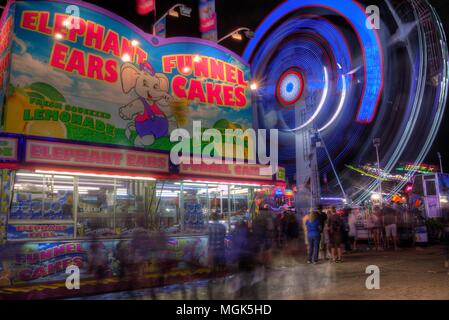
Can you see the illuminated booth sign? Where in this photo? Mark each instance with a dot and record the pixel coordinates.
(39, 231)
(246, 171)
(100, 79)
(55, 153)
(420, 168)
(8, 149)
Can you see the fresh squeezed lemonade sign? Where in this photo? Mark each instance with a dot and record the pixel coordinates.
(106, 81)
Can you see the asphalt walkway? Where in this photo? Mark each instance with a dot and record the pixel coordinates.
(408, 274)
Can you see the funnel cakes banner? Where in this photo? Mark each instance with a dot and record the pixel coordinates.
(97, 78)
(6, 27)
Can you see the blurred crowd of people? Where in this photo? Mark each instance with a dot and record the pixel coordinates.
(133, 256)
(329, 233)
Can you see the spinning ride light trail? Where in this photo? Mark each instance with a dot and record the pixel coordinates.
(343, 66)
(320, 105)
(340, 105)
(368, 39)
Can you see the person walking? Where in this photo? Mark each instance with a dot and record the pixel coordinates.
(139, 255)
(292, 232)
(390, 220)
(323, 218)
(377, 227)
(352, 222)
(313, 226)
(240, 237)
(157, 245)
(263, 232)
(327, 237)
(345, 229)
(97, 259)
(305, 218)
(256, 207)
(242, 257)
(122, 255)
(446, 243)
(216, 250)
(335, 225)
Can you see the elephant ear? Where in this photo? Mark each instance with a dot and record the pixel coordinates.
(129, 74)
(163, 81)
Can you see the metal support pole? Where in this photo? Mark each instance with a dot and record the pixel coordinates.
(334, 170)
(114, 205)
(303, 171)
(441, 162)
(75, 199)
(178, 5)
(181, 205)
(315, 177)
(221, 202)
(380, 178)
(229, 207)
(376, 144)
(208, 202)
(232, 33)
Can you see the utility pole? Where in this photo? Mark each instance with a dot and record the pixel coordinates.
(376, 143)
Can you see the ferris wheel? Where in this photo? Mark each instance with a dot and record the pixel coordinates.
(345, 73)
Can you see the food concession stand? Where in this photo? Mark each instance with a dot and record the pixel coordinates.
(85, 142)
(58, 197)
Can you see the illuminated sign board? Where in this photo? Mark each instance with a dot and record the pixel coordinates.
(107, 81)
(239, 171)
(56, 153)
(39, 231)
(280, 174)
(8, 149)
(420, 168)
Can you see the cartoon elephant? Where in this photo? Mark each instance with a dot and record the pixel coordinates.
(150, 112)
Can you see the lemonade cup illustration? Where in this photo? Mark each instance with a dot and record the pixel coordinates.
(180, 110)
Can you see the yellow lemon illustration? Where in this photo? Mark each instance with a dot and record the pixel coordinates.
(14, 109)
(54, 129)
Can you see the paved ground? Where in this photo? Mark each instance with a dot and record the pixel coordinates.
(412, 273)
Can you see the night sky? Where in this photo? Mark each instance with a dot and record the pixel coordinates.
(248, 13)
